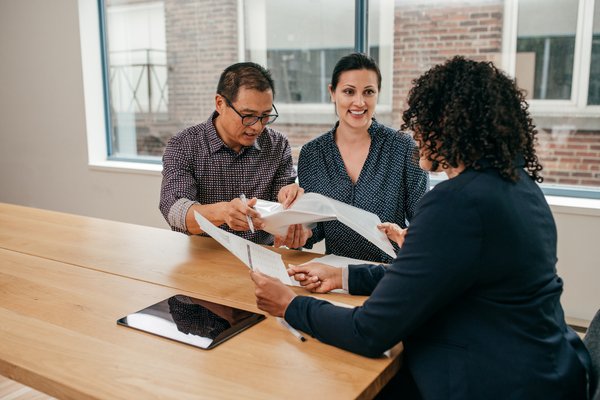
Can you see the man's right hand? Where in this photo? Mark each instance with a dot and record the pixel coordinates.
(235, 212)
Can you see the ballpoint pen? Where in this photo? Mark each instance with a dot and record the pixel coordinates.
(291, 329)
(249, 258)
(243, 198)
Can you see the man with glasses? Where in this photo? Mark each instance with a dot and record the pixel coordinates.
(211, 167)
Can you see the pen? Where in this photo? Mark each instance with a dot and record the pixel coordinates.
(243, 198)
(291, 329)
(250, 257)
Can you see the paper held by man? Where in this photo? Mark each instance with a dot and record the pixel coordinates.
(313, 207)
(254, 256)
(310, 208)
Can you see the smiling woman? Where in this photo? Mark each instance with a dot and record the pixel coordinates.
(360, 161)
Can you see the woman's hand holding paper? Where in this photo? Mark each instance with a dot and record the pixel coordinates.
(272, 296)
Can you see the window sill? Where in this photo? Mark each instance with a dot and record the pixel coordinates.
(127, 167)
(562, 204)
(574, 205)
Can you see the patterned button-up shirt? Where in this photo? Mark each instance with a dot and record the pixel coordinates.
(390, 184)
(198, 167)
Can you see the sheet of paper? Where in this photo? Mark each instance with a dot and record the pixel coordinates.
(251, 254)
(306, 210)
(339, 261)
(314, 207)
(365, 223)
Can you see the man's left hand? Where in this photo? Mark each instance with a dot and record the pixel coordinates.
(296, 237)
(289, 194)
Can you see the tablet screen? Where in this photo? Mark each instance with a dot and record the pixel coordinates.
(196, 322)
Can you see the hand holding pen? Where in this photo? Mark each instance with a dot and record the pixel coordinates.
(250, 213)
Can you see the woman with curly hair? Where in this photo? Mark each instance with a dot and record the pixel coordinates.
(473, 294)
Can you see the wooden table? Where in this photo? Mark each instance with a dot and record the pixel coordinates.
(66, 279)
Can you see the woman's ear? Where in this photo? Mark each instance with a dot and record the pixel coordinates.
(331, 93)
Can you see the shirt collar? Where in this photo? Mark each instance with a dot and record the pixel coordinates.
(215, 143)
(373, 129)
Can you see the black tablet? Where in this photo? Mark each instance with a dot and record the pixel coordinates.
(196, 322)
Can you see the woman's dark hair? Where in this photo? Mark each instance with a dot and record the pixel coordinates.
(245, 74)
(353, 62)
(470, 112)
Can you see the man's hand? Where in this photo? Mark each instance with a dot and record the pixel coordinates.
(317, 277)
(272, 296)
(288, 194)
(235, 211)
(296, 237)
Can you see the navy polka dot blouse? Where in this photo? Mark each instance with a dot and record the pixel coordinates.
(390, 185)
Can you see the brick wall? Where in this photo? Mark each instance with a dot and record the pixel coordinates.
(298, 134)
(426, 35)
(570, 157)
(202, 40)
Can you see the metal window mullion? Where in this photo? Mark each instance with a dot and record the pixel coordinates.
(583, 53)
(361, 26)
(105, 78)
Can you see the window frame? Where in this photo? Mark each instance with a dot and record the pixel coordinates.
(576, 106)
(321, 113)
(91, 15)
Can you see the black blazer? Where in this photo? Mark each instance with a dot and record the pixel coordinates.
(473, 295)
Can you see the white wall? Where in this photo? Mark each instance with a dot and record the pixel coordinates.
(43, 148)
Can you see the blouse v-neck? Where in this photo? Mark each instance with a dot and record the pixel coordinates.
(340, 159)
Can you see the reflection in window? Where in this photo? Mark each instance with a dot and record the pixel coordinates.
(299, 42)
(137, 72)
(546, 47)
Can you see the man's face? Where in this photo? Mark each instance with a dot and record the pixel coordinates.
(229, 123)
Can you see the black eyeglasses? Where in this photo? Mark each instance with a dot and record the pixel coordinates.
(249, 120)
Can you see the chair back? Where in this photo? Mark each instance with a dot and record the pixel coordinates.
(592, 342)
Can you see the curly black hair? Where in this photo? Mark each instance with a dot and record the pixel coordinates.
(470, 112)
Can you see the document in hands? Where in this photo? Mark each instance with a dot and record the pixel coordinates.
(314, 207)
(251, 254)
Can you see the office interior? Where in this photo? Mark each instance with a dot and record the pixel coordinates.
(45, 160)
(51, 108)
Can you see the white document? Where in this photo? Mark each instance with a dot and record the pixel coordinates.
(339, 261)
(314, 207)
(251, 254)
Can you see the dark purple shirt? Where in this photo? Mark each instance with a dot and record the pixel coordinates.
(198, 167)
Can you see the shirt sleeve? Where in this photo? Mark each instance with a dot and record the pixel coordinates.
(436, 265)
(178, 188)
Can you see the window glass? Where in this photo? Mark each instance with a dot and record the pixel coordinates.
(137, 71)
(165, 57)
(546, 47)
(594, 85)
(301, 43)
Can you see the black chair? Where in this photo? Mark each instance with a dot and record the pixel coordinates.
(592, 342)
